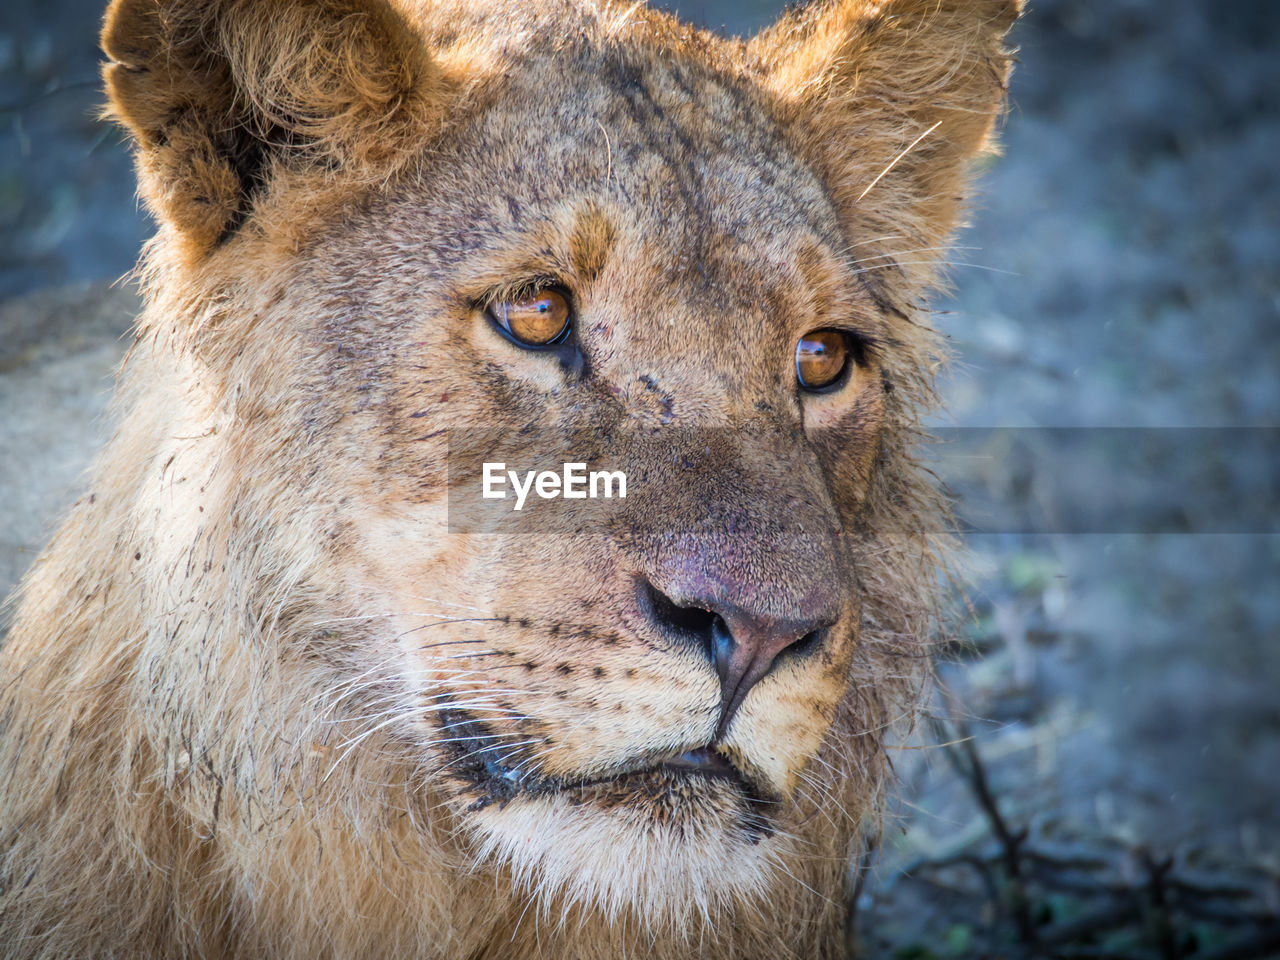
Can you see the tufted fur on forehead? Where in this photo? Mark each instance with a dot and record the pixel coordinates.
(250, 687)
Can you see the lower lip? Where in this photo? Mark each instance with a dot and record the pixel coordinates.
(703, 764)
(704, 761)
(504, 784)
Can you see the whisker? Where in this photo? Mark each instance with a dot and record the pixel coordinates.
(442, 623)
(486, 749)
(893, 255)
(940, 263)
(447, 603)
(894, 162)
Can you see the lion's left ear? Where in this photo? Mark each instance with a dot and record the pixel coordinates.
(892, 98)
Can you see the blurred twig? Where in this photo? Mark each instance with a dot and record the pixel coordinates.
(1158, 915)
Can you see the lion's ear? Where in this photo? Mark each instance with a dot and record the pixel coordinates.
(219, 93)
(893, 98)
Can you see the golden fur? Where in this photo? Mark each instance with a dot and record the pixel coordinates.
(231, 679)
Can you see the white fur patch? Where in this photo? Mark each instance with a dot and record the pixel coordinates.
(619, 861)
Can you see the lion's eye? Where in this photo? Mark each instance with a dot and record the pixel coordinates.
(538, 320)
(822, 358)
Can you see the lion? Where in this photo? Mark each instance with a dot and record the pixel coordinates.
(265, 695)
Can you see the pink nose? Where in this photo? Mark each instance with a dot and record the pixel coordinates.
(743, 643)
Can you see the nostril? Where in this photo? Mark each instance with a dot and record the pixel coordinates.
(800, 649)
(684, 620)
(742, 645)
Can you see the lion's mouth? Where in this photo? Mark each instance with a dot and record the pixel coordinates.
(703, 763)
(706, 762)
(497, 772)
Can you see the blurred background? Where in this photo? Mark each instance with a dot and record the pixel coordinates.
(1099, 773)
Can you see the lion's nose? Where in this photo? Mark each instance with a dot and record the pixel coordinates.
(744, 644)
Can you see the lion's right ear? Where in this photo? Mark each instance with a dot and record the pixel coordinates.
(892, 99)
(222, 95)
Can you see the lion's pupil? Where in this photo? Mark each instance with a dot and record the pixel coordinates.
(538, 319)
(820, 358)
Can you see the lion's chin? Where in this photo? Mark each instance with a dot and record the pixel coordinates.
(661, 846)
(663, 839)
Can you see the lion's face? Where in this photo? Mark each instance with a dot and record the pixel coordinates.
(586, 692)
(651, 705)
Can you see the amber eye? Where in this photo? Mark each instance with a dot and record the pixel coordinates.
(537, 320)
(821, 358)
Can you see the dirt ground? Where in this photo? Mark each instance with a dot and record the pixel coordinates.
(1120, 685)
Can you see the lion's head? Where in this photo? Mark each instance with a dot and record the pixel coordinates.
(387, 235)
